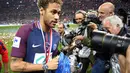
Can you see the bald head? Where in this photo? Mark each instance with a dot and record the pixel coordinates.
(105, 10)
(108, 6)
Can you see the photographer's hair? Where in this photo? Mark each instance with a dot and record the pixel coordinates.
(82, 12)
(114, 21)
(44, 3)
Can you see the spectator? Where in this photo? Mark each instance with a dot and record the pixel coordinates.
(5, 60)
(63, 32)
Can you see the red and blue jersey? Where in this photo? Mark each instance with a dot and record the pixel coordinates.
(29, 44)
(4, 53)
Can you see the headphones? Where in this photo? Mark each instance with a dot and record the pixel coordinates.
(82, 12)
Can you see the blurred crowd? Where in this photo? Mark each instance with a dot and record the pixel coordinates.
(24, 11)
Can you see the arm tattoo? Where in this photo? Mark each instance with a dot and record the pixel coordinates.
(14, 59)
(24, 67)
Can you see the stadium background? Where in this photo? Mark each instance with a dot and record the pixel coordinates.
(23, 11)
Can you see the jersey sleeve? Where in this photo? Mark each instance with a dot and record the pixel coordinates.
(20, 41)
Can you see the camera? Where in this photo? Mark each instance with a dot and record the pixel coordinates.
(81, 29)
(105, 42)
(93, 18)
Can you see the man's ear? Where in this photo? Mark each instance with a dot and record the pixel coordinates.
(41, 10)
(112, 13)
(118, 25)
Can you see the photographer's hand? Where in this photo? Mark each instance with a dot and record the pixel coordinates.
(79, 37)
(92, 25)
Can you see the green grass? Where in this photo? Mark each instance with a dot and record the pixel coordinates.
(8, 29)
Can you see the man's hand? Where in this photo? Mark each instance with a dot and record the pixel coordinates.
(92, 25)
(79, 37)
(53, 64)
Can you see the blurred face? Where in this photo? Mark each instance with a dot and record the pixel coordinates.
(79, 17)
(111, 29)
(60, 28)
(51, 14)
(104, 12)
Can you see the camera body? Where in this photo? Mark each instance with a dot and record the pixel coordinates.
(93, 18)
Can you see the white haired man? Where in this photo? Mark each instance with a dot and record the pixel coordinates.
(114, 25)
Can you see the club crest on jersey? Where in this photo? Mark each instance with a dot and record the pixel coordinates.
(16, 42)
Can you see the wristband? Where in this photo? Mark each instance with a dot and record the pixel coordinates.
(45, 67)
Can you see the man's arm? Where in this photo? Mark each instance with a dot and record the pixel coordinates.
(6, 68)
(5, 61)
(128, 60)
(18, 65)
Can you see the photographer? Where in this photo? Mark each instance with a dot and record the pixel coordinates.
(113, 25)
(62, 32)
(102, 64)
(79, 33)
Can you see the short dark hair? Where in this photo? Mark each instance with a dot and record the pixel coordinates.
(62, 25)
(82, 12)
(44, 3)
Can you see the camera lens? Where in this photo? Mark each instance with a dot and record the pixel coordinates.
(105, 42)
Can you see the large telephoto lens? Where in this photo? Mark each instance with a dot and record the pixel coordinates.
(106, 42)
